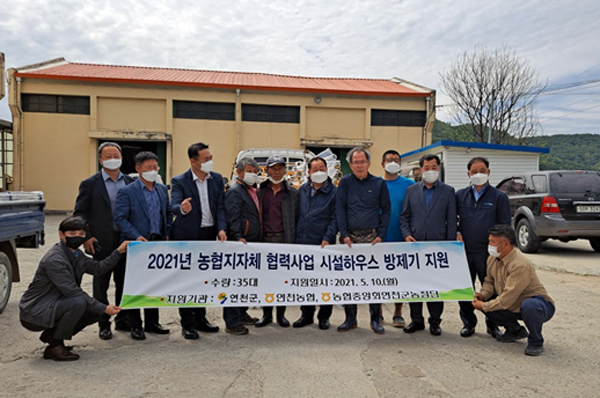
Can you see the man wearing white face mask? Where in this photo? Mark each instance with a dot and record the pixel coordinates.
(428, 214)
(512, 291)
(96, 204)
(244, 225)
(316, 226)
(480, 207)
(198, 204)
(143, 213)
(396, 184)
(279, 204)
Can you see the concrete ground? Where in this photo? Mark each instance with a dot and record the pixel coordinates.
(308, 362)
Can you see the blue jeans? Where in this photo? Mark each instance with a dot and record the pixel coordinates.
(535, 311)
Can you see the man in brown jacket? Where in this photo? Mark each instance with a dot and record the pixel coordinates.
(512, 291)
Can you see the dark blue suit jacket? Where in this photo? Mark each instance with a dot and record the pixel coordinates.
(132, 214)
(436, 223)
(187, 226)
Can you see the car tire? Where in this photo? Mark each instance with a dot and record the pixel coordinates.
(595, 242)
(5, 280)
(527, 240)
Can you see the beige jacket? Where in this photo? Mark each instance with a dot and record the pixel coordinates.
(514, 279)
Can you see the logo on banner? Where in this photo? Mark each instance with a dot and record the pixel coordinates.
(326, 297)
(222, 297)
(269, 297)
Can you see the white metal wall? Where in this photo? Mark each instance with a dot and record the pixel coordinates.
(503, 163)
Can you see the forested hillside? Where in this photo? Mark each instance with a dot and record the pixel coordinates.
(567, 151)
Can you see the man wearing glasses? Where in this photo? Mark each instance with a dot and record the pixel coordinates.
(362, 214)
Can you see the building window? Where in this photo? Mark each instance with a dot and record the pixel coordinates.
(270, 113)
(204, 110)
(55, 104)
(384, 117)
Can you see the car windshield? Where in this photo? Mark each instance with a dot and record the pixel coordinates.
(575, 182)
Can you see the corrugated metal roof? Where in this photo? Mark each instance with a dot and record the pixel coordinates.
(59, 69)
(479, 145)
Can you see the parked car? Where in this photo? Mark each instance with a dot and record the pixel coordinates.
(563, 205)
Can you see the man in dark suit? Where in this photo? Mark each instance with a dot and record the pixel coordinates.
(198, 204)
(143, 213)
(244, 225)
(96, 204)
(428, 214)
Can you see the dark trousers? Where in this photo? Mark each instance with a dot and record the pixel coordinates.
(70, 318)
(478, 269)
(535, 311)
(102, 282)
(308, 311)
(150, 314)
(192, 316)
(268, 311)
(435, 312)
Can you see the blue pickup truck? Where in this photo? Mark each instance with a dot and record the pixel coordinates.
(21, 225)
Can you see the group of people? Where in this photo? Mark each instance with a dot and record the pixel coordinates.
(113, 209)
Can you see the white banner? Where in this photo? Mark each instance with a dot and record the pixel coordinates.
(207, 273)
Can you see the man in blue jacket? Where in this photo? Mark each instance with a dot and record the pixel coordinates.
(428, 213)
(316, 226)
(198, 204)
(480, 207)
(363, 213)
(143, 213)
(396, 184)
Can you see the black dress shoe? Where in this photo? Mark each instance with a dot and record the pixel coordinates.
(156, 328)
(205, 326)
(324, 324)
(264, 321)
(104, 333)
(282, 321)
(413, 327)
(138, 334)
(494, 332)
(303, 321)
(467, 331)
(435, 330)
(190, 334)
(513, 335)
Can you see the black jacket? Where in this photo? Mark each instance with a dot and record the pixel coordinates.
(243, 217)
(59, 276)
(317, 220)
(93, 205)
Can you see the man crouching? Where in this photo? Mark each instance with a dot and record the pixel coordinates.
(512, 291)
(54, 301)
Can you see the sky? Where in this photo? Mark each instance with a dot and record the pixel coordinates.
(414, 40)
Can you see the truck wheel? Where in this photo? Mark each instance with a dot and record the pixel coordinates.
(527, 240)
(595, 242)
(5, 280)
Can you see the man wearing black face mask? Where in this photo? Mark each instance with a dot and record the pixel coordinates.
(54, 301)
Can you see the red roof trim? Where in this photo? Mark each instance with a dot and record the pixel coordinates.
(222, 80)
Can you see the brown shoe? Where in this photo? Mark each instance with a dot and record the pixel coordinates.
(239, 329)
(59, 353)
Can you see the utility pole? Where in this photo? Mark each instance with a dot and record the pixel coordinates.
(491, 116)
